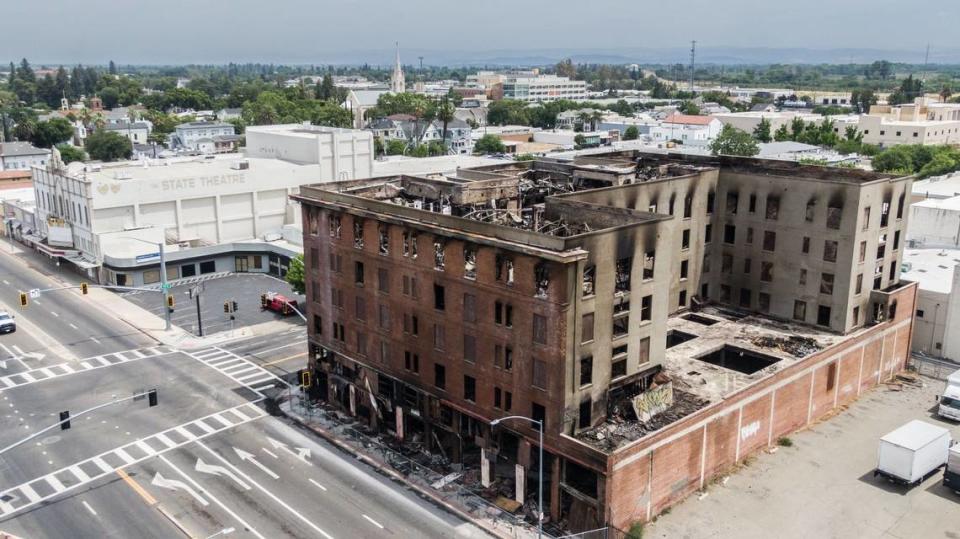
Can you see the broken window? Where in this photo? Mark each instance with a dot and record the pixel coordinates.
(823, 315)
(750, 235)
(646, 308)
(830, 251)
(729, 234)
(508, 358)
(773, 207)
(882, 246)
(805, 249)
(618, 369)
(621, 326)
(673, 198)
(896, 240)
(763, 302)
(384, 241)
(863, 251)
(707, 233)
(469, 388)
(504, 269)
(746, 265)
(766, 271)
(589, 280)
(800, 310)
(649, 258)
(411, 361)
(826, 283)
(538, 413)
(497, 398)
(884, 214)
(834, 213)
(711, 197)
(803, 277)
(584, 420)
(685, 239)
(439, 376)
(469, 262)
(752, 206)
(859, 286)
(682, 298)
(586, 371)
(439, 253)
(726, 263)
(900, 206)
(622, 277)
(358, 273)
(621, 351)
(469, 348)
(769, 240)
(745, 298)
(866, 218)
(687, 206)
(334, 224)
(725, 293)
(358, 233)
(383, 280)
(733, 200)
(811, 207)
(684, 268)
(541, 277)
(439, 297)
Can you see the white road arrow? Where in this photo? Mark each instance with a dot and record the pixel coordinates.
(301, 453)
(203, 467)
(34, 355)
(253, 460)
(173, 484)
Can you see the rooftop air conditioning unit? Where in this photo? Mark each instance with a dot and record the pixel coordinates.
(241, 165)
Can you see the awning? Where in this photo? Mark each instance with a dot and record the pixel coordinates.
(32, 238)
(82, 262)
(53, 251)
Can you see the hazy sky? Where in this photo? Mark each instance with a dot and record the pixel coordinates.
(321, 31)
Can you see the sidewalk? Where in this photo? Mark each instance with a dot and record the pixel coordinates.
(441, 490)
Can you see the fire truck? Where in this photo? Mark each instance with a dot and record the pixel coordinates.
(277, 303)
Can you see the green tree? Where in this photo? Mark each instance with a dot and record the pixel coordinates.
(942, 163)
(897, 158)
(70, 153)
(489, 144)
(108, 146)
(295, 274)
(762, 131)
(733, 141)
(579, 140)
(782, 133)
(332, 115)
(445, 111)
(396, 147)
(509, 112)
(110, 97)
(112, 68)
(566, 68)
(50, 133)
(689, 107)
(631, 133)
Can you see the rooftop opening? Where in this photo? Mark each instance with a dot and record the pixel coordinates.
(699, 319)
(675, 337)
(738, 359)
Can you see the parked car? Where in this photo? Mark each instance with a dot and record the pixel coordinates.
(7, 325)
(950, 400)
(913, 452)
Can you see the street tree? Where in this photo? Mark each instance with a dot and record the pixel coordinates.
(52, 132)
(295, 274)
(762, 131)
(489, 144)
(733, 141)
(70, 153)
(631, 133)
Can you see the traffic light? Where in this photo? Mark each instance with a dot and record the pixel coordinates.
(263, 301)
(65, 420)
(83, 288)
(234, 305)
(226, 307)
(305, 379)
(285, 310)
(23, 299)
(170, 301)
(152, 397)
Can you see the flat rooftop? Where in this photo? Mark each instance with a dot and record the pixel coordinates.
(946, 186)
(712, 354)
(932, 269)
(190, 167)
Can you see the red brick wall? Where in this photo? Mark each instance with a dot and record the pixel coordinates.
(657, 471)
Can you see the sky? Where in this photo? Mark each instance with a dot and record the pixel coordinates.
(352, 31)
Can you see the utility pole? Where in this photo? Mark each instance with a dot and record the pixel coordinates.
(164, 286)
(693, 63)
(195, 294)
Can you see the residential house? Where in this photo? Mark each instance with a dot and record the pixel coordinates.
(22, 156)
(187, 135)
(687, 129)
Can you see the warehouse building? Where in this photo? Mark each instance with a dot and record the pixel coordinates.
(662, 316)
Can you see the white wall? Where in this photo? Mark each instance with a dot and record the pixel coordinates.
(934, 226)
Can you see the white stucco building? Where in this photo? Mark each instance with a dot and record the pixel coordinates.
(921, 122)
(688, 129)
(937, 271)
(189, 135)
(204, 209)
(137, 132)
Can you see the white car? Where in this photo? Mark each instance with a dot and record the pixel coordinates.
(7, 325)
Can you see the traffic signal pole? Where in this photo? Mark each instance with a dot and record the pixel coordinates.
(163, 287)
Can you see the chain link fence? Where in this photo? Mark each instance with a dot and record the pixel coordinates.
(933, 368)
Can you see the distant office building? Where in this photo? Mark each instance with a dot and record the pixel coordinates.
(920, 122)
(535, 88)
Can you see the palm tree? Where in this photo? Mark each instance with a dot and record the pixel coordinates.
(445, 113)
(945, 93)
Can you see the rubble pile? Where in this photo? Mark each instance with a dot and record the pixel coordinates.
(794, 345)
(622, 427)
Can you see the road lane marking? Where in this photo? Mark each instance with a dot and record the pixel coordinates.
(173, 484)
(87, 505)
(288, 358)
(283, 504)
(30, 494)
(151, 501)
(213, 469)
(94, 339)
(252, 459)
(318, 485)
(6, 282)
(71, 325)
(55, 483)
(80, 474)
(267, 451)
(124, 455)
(374, 522)
(55, 315)
(302, 453)
(223, 506)
(102, 464)
(231, 365)
(96, 362)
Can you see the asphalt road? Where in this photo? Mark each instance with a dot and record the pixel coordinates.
(206, 460)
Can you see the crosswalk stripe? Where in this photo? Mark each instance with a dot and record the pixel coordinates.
(146, 447)
(55, 483)
(102, 464)
(29, 493)
(124, 455)
(206, 428)
(184, 432)
(79, 473)
(26, 376)
(162, 438)
(7, 382)
(254, 377)
(222, 419)
(262, 388)
(67, 369)
(240, 369)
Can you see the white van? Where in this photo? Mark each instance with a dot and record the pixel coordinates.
(950, 400)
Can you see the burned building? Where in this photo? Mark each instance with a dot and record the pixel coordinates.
(616, 298)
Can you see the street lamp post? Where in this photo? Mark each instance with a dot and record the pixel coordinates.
(539, 424)
(163, 279)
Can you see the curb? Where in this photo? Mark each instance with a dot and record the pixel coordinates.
(383, 468)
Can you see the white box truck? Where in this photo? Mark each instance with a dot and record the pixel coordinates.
(951, 476)
(912, 452)
(950, 400)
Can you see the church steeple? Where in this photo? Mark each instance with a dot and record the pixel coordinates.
(397, 83)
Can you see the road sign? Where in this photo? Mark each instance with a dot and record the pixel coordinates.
(147, 256)
(34, 293)
(166, 286)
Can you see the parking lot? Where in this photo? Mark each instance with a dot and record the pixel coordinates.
(244, 288)
(823, 485)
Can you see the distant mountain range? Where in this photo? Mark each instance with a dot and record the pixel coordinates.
(705, 55)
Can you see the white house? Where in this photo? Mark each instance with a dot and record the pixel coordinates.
(188, 134)
(22, 156)
(937, 316)
(688, 129)
(137, 132)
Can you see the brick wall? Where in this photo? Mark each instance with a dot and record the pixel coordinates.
(655, 472)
